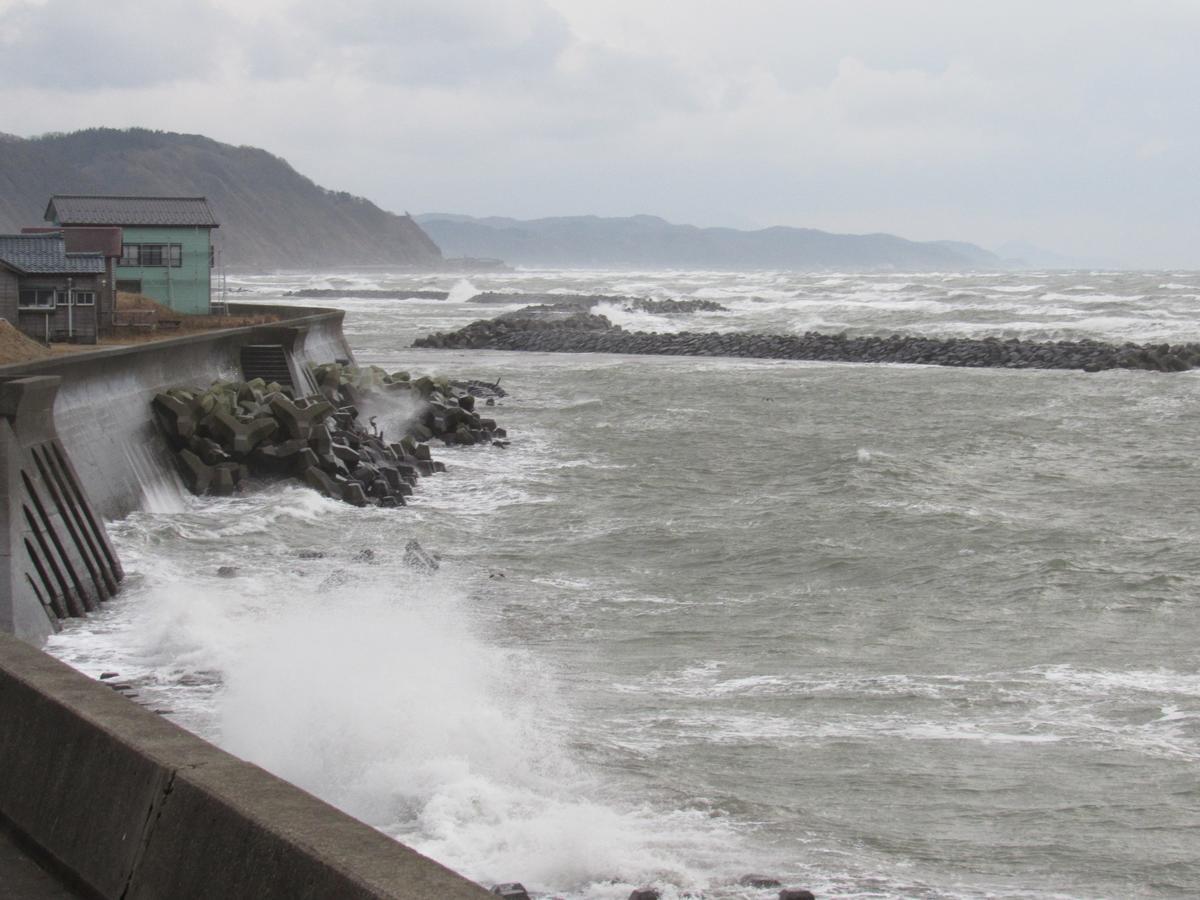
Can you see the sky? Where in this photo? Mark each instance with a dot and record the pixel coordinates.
(1068, 124)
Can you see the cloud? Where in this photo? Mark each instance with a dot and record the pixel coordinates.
(82, 44)
(413, 42)
(932, 118)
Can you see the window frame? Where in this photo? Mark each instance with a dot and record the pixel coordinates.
(133, 256)
(154, 256)
(39, 291)
(76, 295)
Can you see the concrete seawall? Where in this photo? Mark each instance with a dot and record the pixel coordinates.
(78, 446)
(102, 410)
(115, 801)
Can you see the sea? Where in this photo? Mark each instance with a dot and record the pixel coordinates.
(874, 630)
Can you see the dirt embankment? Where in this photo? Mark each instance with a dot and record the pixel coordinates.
(15, 347)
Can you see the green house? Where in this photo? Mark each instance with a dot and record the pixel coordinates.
(167, 249)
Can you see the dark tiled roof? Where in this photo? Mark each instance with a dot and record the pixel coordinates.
(46, 254)
(131, 211)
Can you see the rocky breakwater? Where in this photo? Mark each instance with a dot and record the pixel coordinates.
(568, 328)
(226, 434)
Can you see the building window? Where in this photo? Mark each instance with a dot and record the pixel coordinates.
(132, 286)
(36, 298)
(152, 255)
(84, 298)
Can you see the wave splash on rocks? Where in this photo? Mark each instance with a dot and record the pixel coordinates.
(223, 435)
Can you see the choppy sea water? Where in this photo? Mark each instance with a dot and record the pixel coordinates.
(879, 631)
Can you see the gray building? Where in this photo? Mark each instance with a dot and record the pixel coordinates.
(49, 293)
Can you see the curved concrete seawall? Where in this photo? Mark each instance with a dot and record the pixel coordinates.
(78, 445)
(102, 410)
(115, 801)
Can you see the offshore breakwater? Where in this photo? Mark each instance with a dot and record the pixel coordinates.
(112, 799)
(566, 326)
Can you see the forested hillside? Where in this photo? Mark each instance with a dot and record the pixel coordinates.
(271, 216)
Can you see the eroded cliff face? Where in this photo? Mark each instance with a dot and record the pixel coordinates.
(271, 216)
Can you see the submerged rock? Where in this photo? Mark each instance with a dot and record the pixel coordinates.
(759, 881)
(418, 558)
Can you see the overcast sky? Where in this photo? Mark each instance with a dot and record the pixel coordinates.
(1072, 124)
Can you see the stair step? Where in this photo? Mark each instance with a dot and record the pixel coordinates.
(268, 362)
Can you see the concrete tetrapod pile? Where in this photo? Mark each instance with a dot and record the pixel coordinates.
(232, 431)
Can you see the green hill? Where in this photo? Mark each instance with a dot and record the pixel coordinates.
(271, 216)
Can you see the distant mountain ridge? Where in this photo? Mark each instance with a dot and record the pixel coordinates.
(651, 242)
(271, 216)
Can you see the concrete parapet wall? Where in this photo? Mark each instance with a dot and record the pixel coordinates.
(128, 806)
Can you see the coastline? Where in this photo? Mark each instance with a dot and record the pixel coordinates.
(110, 797)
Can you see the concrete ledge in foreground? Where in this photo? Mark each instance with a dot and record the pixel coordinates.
(125, 805)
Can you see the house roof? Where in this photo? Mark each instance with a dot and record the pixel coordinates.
(104, 239)
(46, 254)
(73, 209)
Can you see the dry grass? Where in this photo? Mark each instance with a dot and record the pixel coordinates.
(15, 347)
(169, 323)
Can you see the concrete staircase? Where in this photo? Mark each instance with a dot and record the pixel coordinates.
(268, 362)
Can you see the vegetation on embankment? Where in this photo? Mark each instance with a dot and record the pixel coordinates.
(17, 347)
(139, 317)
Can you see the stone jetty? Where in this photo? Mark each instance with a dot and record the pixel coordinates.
(227, 433)
(568, 327)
